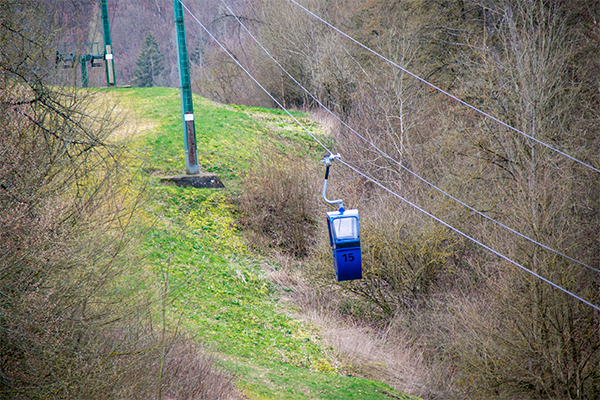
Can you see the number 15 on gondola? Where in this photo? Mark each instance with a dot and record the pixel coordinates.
(344, 237)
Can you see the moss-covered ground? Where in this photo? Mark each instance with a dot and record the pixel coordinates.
(191, 243)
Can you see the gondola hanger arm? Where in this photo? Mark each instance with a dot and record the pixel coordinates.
(327, 161)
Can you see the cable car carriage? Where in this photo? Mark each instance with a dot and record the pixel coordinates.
(344, 236)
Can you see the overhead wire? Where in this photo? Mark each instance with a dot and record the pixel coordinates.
(472, 107)
(489, 249)
(466, 236)
(252, 77)
(390, 158)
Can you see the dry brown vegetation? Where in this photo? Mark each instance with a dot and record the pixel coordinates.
(279, 201)
(71, 324)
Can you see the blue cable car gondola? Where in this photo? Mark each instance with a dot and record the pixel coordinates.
(344, 236)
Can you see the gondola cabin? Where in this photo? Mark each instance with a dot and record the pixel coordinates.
(344, 237)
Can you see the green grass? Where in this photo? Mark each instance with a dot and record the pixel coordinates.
(229, 138)
(217, 289)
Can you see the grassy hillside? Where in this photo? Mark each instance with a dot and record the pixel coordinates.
(215, 287)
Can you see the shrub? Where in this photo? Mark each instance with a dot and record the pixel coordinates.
(402, 257)
(279, 204)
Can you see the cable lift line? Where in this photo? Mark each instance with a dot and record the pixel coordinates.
(251, 77)
(390, 158)
(456, 230)
(466, 236)
(477, 110)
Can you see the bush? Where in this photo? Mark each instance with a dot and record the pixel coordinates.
(403, 256)
(279, 204)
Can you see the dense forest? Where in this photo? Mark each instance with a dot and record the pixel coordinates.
(475, 325)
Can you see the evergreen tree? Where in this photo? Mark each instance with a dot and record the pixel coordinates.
(149, 64)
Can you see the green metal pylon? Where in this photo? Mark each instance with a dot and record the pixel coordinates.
(109, 60)
(84, 71)
(187, 109)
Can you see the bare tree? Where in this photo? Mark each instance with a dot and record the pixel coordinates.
(541, 343)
